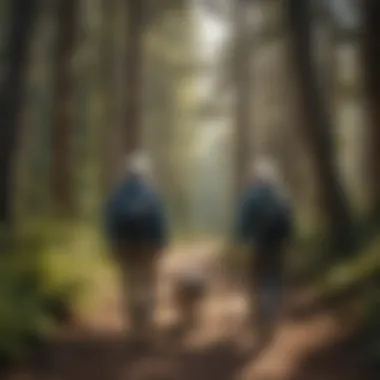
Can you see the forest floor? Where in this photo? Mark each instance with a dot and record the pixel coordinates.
(311, 346)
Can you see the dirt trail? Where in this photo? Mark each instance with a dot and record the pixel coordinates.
(303, 350)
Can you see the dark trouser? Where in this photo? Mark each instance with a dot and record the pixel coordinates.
(138, 266)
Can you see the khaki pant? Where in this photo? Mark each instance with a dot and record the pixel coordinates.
(266, 290)
(139, 282)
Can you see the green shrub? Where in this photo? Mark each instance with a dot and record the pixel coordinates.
(26, 295)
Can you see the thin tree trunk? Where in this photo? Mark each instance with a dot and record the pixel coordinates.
(12, 88)
(243, 101)
(317, 127)
(133, 89)
(109, 85)
(372, 82)
(62, 186)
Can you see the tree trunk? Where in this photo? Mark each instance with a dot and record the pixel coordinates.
(133, 89)
(62, 186)
(372, 83)
(12, 88)
(109, 48)
(317, 127)
(242, 71)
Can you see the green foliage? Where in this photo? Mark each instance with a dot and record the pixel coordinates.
(357, 281)
(312, 258)
(21, 301)
(22, 316)
(40, 285)
(353, 275)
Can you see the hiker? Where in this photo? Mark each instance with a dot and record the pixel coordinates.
(264, 225)
(136, 228)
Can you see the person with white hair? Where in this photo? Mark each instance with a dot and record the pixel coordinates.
(136, 227)
(265, 225)
(138, 164)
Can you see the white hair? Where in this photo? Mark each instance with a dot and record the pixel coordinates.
(138, 163)
(265, 170)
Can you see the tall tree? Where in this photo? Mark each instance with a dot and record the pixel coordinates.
(109, 46)
(63, 117)
(133, 88)
(371, 49)
(242, 69)
(12, 86)
(317, 126)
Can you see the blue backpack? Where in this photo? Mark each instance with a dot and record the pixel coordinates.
(272, 218)
(132, 212)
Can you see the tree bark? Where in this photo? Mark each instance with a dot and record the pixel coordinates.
(12, 88)
(109, 50)
(133, 88)
(317, 127)
(243, 101)
(371, 55)
(62, 186)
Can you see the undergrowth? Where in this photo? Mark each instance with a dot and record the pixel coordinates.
(47, 277)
